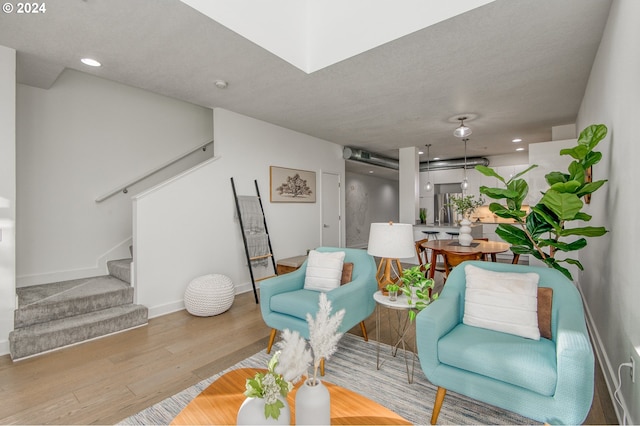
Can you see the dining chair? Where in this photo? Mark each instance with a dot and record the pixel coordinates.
(423, 257)
(453, 259)
(421, 252)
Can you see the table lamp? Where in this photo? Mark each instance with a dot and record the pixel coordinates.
(391, 242)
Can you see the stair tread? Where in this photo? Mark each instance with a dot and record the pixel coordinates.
(71, 322)
(120, 268)
(67, 290)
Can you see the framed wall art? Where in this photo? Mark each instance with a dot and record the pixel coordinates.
(292, 185)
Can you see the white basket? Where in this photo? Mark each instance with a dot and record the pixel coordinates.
(209, 295)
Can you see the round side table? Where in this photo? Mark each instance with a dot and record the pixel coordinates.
(398, 331)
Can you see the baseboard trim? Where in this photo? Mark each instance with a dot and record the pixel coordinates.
(609, 373)
(178, 305)
(165, 309)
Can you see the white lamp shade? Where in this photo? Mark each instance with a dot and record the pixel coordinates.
(391, 240)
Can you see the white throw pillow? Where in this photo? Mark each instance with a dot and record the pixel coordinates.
(502, 301)
(324, 270)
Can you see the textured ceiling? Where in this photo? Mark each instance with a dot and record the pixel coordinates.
(521, 66)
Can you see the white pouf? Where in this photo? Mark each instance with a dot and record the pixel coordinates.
(209, 295)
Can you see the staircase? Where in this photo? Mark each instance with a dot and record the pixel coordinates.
(51, 316)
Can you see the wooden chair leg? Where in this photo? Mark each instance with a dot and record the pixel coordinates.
(322, 367)
(364, 331)
(272, 338)
(438, 404)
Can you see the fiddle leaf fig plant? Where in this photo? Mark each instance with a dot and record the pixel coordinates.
(542, 233)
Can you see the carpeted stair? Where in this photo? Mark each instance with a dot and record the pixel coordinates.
(51, 316)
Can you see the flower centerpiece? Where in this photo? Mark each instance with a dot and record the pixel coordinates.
(464, 205)
(287, 366)
(269, 386)
(312, 399)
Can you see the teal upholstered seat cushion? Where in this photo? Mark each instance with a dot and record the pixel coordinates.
(530, 364)
(295, 303)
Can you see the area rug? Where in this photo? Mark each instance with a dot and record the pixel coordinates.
(353, 366)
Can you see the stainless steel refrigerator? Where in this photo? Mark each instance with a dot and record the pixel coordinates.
(444, 214)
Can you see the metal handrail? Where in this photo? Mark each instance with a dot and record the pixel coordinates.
(123, 188)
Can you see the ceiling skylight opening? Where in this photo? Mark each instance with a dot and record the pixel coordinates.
(91, 62)
(516, 140)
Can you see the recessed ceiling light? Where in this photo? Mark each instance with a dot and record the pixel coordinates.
(519, 149)
(516, 140)
(436, 158)
(90, 62)
(420, 152)
(221, 84)
(370, 171)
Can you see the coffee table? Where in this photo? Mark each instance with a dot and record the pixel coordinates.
(219, 404)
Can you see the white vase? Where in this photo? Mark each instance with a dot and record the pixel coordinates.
(313, 404)
(465, 238)
(251, 412)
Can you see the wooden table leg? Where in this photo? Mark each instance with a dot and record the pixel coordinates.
(432, 268)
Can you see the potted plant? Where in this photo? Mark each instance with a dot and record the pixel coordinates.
(464, 205)
(393, 291)
(543, 232)
(423, 215)
(418, 289)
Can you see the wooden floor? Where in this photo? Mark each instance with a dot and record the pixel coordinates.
(107, 380)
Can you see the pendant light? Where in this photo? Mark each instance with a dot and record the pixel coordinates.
(465, 183)
(462, 131)
(428, 186)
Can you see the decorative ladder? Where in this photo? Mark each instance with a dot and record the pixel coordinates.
(251, 259)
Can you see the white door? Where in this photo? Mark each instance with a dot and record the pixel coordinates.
(331, 210)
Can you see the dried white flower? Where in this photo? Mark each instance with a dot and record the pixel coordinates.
(295, 357)
(323, 332)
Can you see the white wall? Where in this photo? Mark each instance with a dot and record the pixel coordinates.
(79, 139)
(7, 193)
(610, 284)
(369, 199)
(187, 227)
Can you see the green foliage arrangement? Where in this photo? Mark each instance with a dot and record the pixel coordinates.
(543, 231)
(392, 287)
(423, 215)
(416, 283)
(465, 204)
(269, 386)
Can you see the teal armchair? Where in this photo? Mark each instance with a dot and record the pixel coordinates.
(550, 381)
(284, 302)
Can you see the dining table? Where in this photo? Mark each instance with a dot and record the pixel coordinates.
(488, 248)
